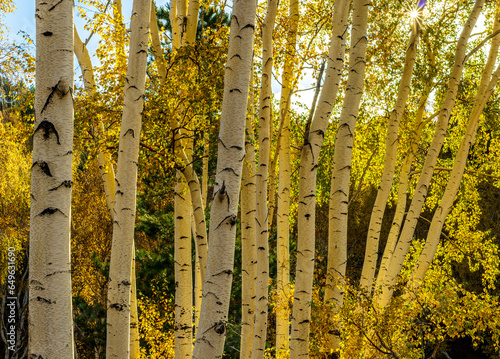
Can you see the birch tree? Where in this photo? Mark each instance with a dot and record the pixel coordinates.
(50, 304)
(422, 186)
(313, 139)
(219, 273)
(120, 276)
(248, 236)
(485, 89)
(283, 213)
(259, 341)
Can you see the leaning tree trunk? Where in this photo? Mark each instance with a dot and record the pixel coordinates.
(396, 262)
(486, 87)
(283, 213)
(120, 271)
(262, 225)
(391, 147)
(50, 304)
(313, 139)
(231, 153)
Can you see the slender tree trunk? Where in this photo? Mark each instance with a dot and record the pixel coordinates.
(404, 179)
(183, 272)
(108, 179)
(486, 87)
(391, 147)
(231, 152)
(259, 341)
(337, 232)
(283, 213)
(118, 320)
(50, 304)
(313, 139)
(248, 237)
(396, 263)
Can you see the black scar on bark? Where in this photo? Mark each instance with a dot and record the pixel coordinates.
(67, 184)
(49, 211)
(47, 33)
(44, 300)
(53, 7)
(43, 166)
(235, 90)
(131, 131)
(220, 327)
(248, 25)
(60, 88)
(236, 19)
(118, 307)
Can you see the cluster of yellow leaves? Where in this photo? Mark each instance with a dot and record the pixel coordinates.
(15, 191)
(156, 323)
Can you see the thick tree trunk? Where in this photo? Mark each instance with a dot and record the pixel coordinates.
(283, 213)
(248, 237)
(259, 341)
(231, 153)
(313, 139)
(396, 263)
(391, 147)
(118, 320)
(50, 304)
(486, 87)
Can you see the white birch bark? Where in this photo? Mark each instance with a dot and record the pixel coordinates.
(313, 139)
(396, 262)
(391, 147)
(260, 330)
(338, 207)
(404, 179)
(118, 318)
(217, 287)
(50, 303)
(183, 272)
(108, 179)
(283, 212)
(248, 237)
(486, 87)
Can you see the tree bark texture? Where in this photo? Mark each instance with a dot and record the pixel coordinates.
(283, 213)
(262, 225)
(248, 237)
(231, 153)
(338, 207)
(50, 303)
(118, 309)
(313, 140)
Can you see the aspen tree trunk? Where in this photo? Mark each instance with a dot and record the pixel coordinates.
(50, 303)
(396, 262)
(231, 153)
(313, 139)
(486, 87)
(248, 237)
(183, 273)
(118, 319)
(391, 147)
(283, 213)
(186, 168)
(404, 179)
(108, 179)
(260, 330)
(337, 231)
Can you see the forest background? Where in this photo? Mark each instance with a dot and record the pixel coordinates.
(452, 312)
